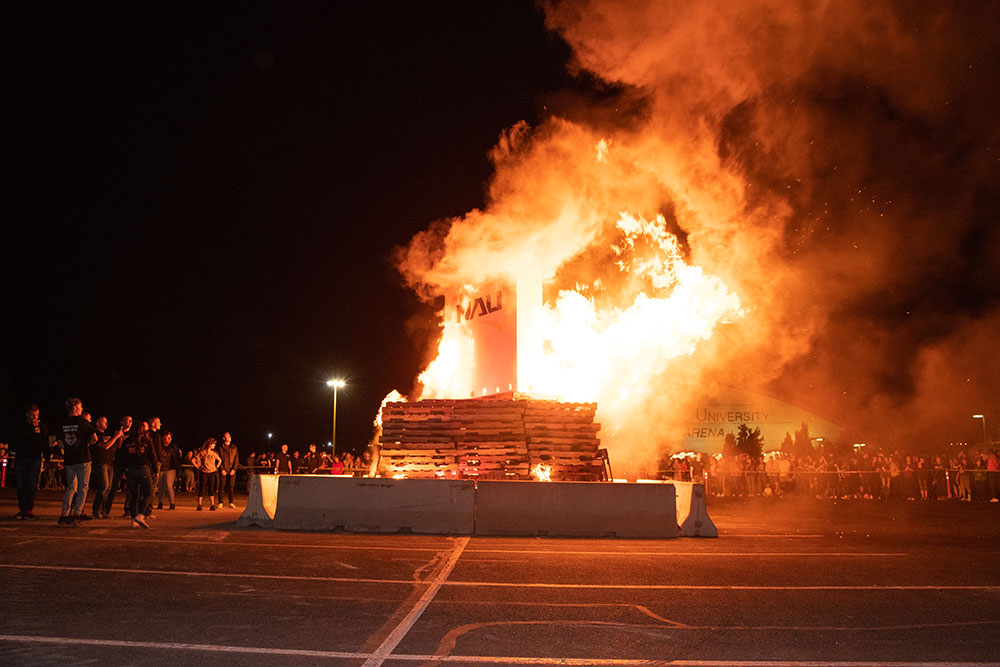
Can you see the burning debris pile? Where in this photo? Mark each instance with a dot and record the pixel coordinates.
(495, 438)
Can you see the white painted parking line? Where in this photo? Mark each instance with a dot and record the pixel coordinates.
(270, 545)
(508, 584)
(481, 659)
(721, 587)
(397, 634)
(187, 573)
(687, 553)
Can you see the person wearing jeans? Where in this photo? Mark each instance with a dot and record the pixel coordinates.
(101, 457)
(170, 463)
(77, 436)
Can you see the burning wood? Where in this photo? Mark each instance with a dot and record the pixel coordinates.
(496, 438)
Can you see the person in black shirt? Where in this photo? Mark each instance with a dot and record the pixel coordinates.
(77, 436)
(284, 462)
(137, 456)
(102, 458)
(117, 469)
(156, 438)
(312, 460)
(227, 469)
(170, 463)
(31, 445)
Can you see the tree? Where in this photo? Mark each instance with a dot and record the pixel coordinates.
(729, 444)
(750, 441)
(803, 444)
(787, 445)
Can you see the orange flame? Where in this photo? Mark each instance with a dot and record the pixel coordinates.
(542, 472)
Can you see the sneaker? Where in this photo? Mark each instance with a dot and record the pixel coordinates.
(83, 517)
(64, 520)
(138, 521)
(20, 516)
(233, 505)
(160, 506)
(212, 508)
(172, 506)
(31, 517)
(199, 508)
(994, 500)
(150, 516)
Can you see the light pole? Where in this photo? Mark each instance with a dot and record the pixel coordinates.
(336, 384)
(983, 417)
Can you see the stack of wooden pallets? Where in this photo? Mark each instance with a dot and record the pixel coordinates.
(498, 437)
(563, 436)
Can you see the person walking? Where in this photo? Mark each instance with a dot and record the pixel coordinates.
(77, 436)
(31, 446)
(170, 463)
(138, 459)
(207, 463)
(230, 462)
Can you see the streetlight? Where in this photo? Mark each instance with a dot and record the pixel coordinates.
(336, 384)
(983, 417)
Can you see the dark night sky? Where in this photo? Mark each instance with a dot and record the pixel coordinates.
(203, 199)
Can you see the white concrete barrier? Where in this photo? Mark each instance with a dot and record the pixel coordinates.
(380, 505)
(692, 515)
(575, 509)
(261, 502)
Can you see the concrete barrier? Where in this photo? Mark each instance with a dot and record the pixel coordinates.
(261, 502)
(381, 505)
(575, 509)
(692, 514)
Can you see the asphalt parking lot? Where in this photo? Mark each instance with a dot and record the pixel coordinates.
(786, 583)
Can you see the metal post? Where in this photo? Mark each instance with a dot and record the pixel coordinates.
(333, 437)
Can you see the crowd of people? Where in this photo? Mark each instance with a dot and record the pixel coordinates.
(960, 475)
(83, 456)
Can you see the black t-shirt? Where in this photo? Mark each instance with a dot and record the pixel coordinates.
(33, 441)
(76, 432)
(137, 451)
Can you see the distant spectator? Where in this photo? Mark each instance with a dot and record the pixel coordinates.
(227, 468)
(207, 462)
(312, 460)
(284, 462)
(31, 446)
(170, 463)
(190, 473)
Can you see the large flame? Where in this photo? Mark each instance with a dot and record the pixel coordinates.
(623, 302)
(605, 341)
